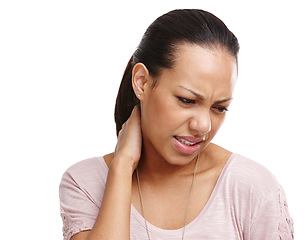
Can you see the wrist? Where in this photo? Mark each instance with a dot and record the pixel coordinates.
(122, 165)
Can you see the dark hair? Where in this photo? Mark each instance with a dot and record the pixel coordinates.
(158, 46)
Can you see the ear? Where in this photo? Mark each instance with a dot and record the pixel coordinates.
(140, 76)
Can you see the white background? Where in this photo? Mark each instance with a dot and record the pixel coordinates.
(61, 63)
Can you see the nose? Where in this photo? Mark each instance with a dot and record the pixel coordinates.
(200, 123)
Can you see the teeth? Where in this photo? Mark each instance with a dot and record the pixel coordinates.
(185, 142)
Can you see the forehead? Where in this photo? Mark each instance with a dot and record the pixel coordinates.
(203, 59)
(202, 68)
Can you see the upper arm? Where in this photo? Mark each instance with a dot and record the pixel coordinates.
(78, 210)
(273, 220)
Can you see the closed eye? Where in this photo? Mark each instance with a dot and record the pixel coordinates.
(220, 109)
(186, 100)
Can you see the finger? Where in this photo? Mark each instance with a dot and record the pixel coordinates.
(136, 110)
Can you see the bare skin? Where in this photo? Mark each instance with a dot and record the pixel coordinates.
(193, 105)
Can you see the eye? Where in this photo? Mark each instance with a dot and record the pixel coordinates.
(220, 109)
(186, 100)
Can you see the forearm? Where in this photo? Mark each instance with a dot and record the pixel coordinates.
(113, 220)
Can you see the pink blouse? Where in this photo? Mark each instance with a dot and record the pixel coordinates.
(247, 203)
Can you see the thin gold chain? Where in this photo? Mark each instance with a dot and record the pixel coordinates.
(188, 208)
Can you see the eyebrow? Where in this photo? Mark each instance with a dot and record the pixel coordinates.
(224, 100)
(201, 97)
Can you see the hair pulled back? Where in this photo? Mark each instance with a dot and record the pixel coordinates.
(157, 49)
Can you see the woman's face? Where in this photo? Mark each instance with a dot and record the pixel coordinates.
(186, 108)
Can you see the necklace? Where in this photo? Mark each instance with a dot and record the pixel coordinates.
(186, 217)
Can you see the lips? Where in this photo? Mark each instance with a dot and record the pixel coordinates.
(189, 140)
(187, 144)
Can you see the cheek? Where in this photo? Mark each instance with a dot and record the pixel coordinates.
(162, 115)
(216, 125)
(159, 116)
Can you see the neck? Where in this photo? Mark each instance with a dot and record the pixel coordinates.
(155, 167)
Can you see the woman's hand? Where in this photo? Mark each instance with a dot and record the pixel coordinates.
(129, 142)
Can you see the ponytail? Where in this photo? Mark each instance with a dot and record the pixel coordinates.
(126, 99)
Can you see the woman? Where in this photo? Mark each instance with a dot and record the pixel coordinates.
(166, 180)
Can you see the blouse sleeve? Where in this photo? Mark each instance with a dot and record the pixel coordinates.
(81, 191)
(273, 220)
(77, 211)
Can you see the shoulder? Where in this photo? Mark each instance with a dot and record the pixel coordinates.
(80, 192)
(88, 168)
(263, 199)
(87, 177)
(246, 173)
(244, 167)
(249, 186)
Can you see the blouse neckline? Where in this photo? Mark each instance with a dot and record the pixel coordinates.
(178, 232)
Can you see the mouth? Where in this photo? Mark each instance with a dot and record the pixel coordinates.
(189, 141)
(187, 145)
